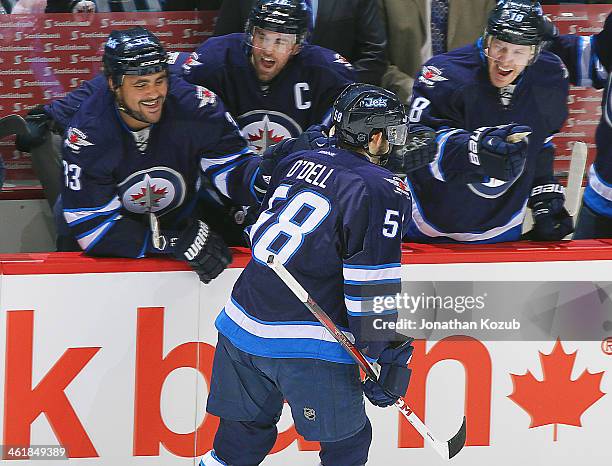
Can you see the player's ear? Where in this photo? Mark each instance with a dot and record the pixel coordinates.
(296, 49)
(376, 138)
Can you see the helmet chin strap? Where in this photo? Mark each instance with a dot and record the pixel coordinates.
(122, 107)
(378, 159)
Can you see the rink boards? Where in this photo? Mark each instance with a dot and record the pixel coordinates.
(111, 358)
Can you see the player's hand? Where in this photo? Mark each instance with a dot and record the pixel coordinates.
(394, 375)
(204, 251)
(420, 150)
(39, 125)
(499, 151)
(552, 222)
(315, 137)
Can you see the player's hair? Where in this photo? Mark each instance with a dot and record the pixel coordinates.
(362, 110)
(135, 51)
(284, 16)
(519, 22)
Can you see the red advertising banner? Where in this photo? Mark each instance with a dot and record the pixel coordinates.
(43, 57)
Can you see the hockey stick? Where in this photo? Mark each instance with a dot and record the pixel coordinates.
(575, 176)
(446, 449)
(12, 124)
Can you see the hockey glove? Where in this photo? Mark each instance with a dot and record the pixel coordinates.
(39, 125)
(394, 375)
(552, 222)
(203, 250)
(313, 138)
(420, 150)
(499, 151)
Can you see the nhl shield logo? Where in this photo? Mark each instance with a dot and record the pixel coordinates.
(310, 414)
(263, 129)
(156, 190)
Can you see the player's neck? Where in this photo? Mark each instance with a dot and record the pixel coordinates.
(132, 123)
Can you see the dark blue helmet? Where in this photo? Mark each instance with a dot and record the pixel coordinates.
(519, 22)
(134, 51)
(362, 109)
(284, 16)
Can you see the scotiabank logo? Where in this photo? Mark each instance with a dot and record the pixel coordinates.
(24, 403)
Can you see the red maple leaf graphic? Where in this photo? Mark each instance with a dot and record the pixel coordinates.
(73, 138)
(259, 137)
(557, 399)
(156, 195)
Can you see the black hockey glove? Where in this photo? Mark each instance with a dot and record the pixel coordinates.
(204, 251)
(552, 222)
(314, 137)
(420, 150)
(499, 151)
(394, 375)
(39, 124)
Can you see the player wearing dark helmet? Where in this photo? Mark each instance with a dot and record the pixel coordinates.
(496, 106)
(135, 154)
(335, 204)
(274, 84)
(135, 64)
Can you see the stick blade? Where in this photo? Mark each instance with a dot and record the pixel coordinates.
(456, 444)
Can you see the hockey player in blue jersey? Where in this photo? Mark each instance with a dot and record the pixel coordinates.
(496, 106)
(57, 114)
(273, 83)
(589, 59)
(335, 219)
(134, 155)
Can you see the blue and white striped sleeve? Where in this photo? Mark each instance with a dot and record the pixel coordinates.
(227, 161)
(372, 264)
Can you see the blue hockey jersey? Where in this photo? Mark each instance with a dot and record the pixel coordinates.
(114, 176)
(62, 110)
(335, 221)
(453, 95)
(589, 59)
(300, 96)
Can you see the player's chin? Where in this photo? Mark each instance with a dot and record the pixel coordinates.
(152, 113)
(501, 79)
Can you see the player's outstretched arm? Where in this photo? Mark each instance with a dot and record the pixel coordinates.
(587, 58)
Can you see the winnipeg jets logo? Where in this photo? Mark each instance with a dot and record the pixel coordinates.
(263, 129)
(431, 75)
(400, 186)
(206, 96)
(150, 195)
(159, 190)
(343, 61)
(75, 139)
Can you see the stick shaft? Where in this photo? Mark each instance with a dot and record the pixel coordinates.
(359, 358)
